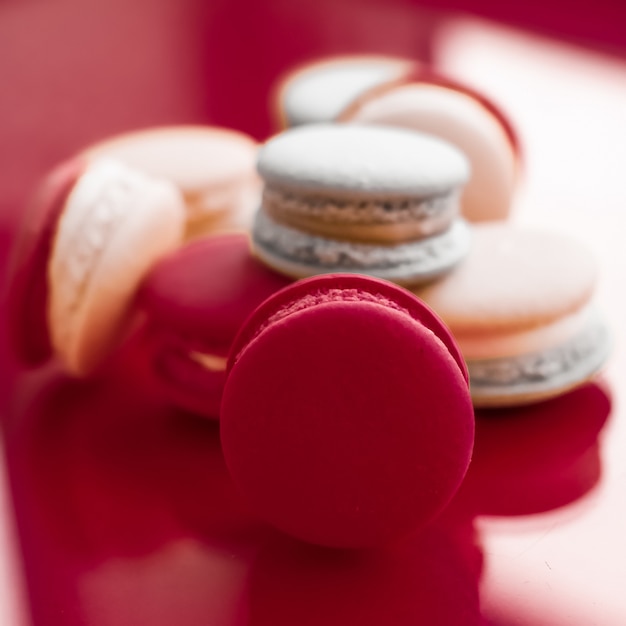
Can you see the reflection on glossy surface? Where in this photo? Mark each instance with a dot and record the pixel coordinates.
(430, 578)
(537, 458)
(128, 516)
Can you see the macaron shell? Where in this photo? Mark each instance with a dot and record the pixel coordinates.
(27, 297)
(464, 121)
(206, 290)
(98, 260)
(346, 423)
(358, 162)
(232, 212)
(513, 279)
(299, 254)
(195, 301)
(534, 377)
(213, 167)
(318, 91)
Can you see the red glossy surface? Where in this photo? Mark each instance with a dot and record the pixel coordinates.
(124, 513)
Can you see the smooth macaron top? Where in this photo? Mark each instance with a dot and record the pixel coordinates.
(192, 157)
(319, 91)
(346, 419)
(514, 279)
(205, 291)
(361, 162)
(213, 167)
(116, 223)
(434, 104)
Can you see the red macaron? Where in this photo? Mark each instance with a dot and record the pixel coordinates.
(346, 418)
(195, 302)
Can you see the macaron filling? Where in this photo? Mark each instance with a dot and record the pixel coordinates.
(388, 219)
(217, 203)
(533, 375)
(194, 378)
(300, 254)
(210, 362)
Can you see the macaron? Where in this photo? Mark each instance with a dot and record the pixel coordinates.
(521, 309)
(431, 103)
(28, 294)
(213, 167)
(346, 419)
(194, 302)
(319, 90)
(97, 229)
(363, 199)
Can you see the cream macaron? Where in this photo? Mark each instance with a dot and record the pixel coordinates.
(360, 199)
(319, 90)
(435, 104)
(521, 309)
(115, 224)
(213, 167)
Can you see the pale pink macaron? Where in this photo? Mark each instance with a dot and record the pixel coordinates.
(521, 307)
(431, 103)
(213, 167)
(319, 90)
(78, 264)
(116, 224)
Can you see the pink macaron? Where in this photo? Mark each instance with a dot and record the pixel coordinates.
(28, 295)
(195, 302)
(92, 233)
(429, 102)
(346, 418)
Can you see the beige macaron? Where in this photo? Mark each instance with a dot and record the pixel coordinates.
(436, 105)
(521, 309)
(319, 90)
(213, 167)
(115, 225)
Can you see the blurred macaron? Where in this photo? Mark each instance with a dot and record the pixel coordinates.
(194, 303)
(320, 89)
(522, 310)
(213, 167)
(88, 240)
(432, 103)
